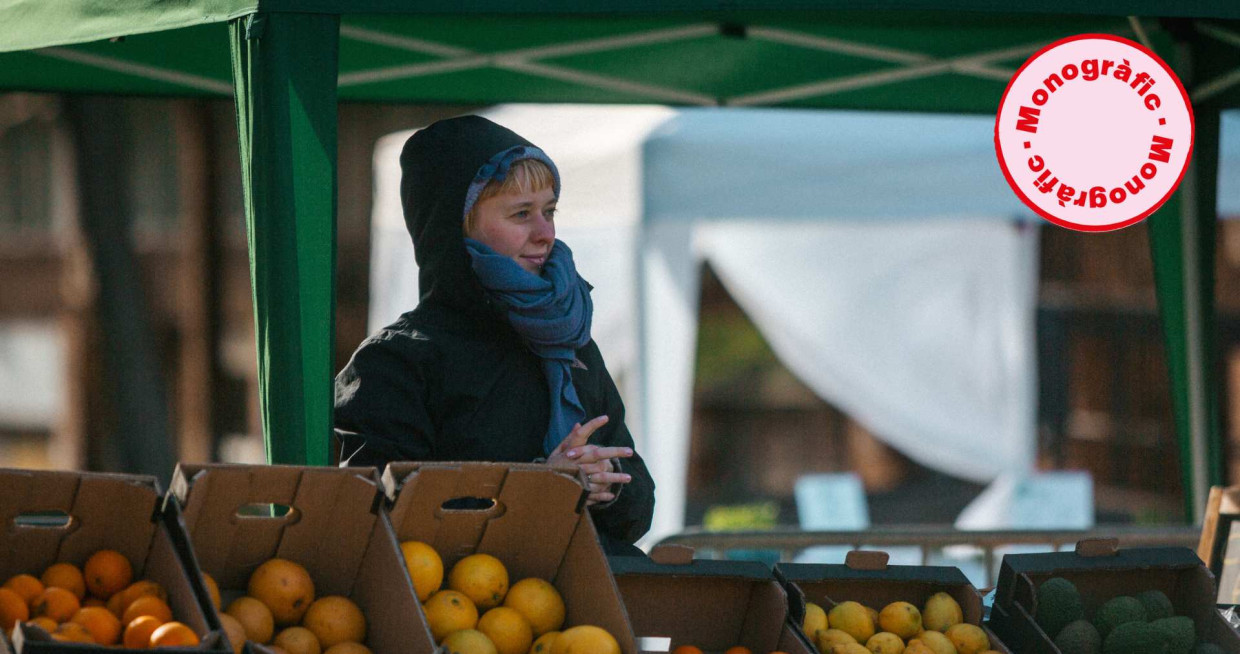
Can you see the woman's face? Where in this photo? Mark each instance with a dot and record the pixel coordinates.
(519, 225)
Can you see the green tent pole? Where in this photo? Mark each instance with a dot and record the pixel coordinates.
(1182, 245)
(284, 73)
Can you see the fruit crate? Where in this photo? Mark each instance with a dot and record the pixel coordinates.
(674, 600)
(327, 520)
(1100, 572)
(65, 517)
(866, 578)
(531, 517)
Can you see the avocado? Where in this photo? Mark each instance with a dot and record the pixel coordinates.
(1135, 638)
(1180, 632)
(1058, 603)
(1079, 637)
(1157, 605)
(1118, 611)
(1208, 648)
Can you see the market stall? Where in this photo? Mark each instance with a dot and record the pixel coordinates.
(288, 64)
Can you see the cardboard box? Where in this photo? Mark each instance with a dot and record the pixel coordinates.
(54, 516)
(1220, 541)
(1101, 572)
(529, 516)
(335, 528)
(673, 600)
(865, 577)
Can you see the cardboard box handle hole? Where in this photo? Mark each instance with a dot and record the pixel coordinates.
(479, 505)
(268, 511)
(44, 520)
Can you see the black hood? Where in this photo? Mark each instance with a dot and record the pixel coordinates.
(438, 164)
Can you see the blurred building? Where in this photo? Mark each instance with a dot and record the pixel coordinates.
(187, 239)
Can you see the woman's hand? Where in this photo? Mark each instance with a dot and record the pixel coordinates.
(594, 461)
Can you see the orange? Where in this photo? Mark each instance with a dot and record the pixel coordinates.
(285, 587)
(55, 603)
(335, 619)
(13, 609)
(28, 586)
(468, 641)
(425, 568)
(298, 640)
(66, 576)
(107, 572)
(448, 611)
(738, 650)
(147, 605)
(46, 624)
(234, 631)
(254, 616)
(687, 649)
(539, 602)
(508, 630)
(213, 589)
(585, 639)
(482, 578)
(173, 634)
(73, 632)
(102, 625)
(347, 648)
(543, 644)
(138, 633)
(118, 602)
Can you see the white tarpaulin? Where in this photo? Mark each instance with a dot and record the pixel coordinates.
(919, 330)
(882, 256)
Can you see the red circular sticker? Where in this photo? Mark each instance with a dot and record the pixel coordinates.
(1094, 132)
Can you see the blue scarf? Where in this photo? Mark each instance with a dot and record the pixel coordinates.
(551, 313)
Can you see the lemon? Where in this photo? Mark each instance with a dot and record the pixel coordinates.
(853, 619)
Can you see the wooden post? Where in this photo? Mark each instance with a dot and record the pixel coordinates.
(77, 289)
(198, 303)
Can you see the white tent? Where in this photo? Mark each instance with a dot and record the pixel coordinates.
(883, 257)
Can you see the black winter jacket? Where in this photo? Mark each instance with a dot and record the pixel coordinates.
(451, 380)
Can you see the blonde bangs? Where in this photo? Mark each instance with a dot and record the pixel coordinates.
(524, 176)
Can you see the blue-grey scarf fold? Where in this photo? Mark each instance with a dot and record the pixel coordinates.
(552, 313)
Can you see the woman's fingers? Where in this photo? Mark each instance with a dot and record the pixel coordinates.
(594, 453)
(605, 479)
(564, 444)
(599, 498)
(581, 433)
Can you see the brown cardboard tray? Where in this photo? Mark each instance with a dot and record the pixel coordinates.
(55, 516)
(534, 521)
(1100, 572)
(865, 577)
(712, 605)
(335, 529)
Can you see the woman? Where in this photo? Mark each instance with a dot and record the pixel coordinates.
(496, 362)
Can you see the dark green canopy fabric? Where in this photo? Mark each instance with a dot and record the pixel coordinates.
(901, 61)
(291, 61)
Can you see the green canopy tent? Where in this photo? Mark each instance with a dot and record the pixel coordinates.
(288, 63)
